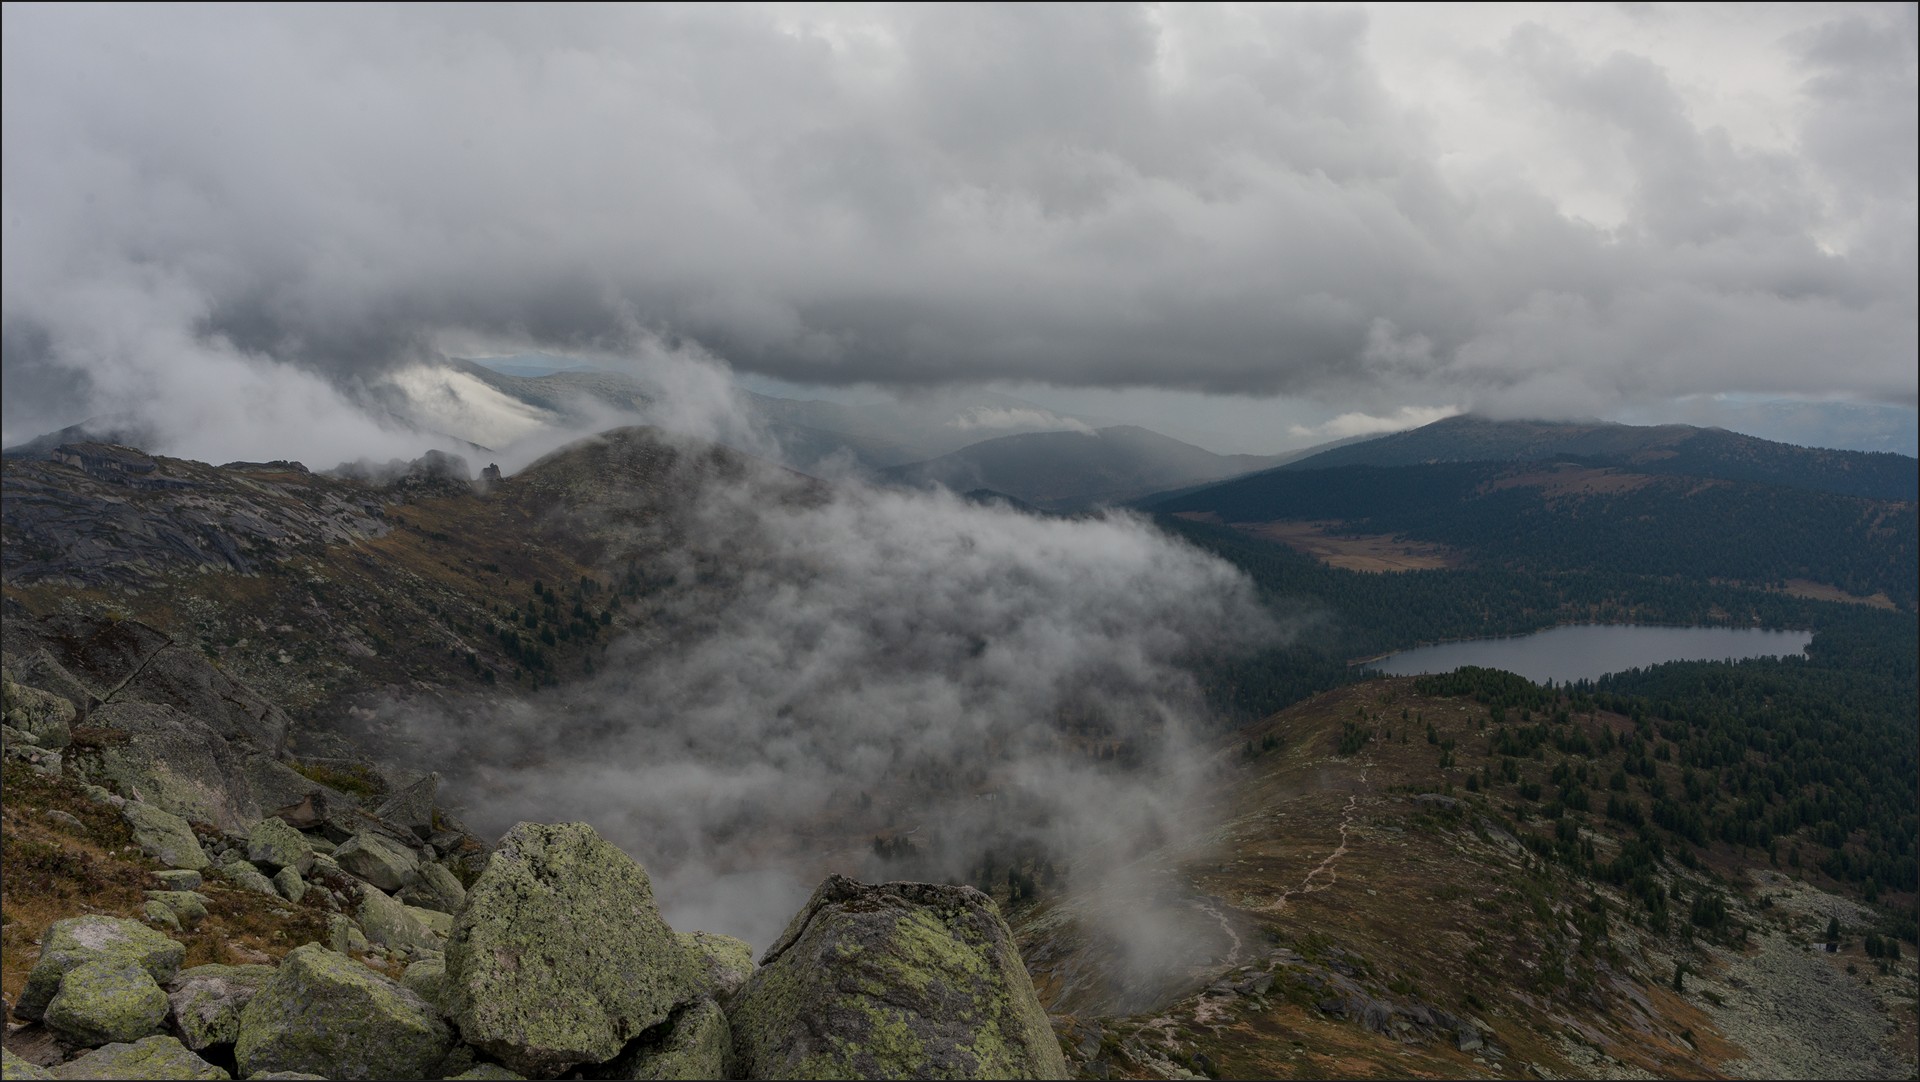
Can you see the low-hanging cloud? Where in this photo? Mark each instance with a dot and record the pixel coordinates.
(826, 666)
(243, 216)
(1017, 419)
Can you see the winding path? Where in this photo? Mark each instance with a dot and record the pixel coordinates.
(1325, 867)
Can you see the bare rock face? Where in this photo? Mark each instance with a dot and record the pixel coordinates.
(559, 956)
(898, 980)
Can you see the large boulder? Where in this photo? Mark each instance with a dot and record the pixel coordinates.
(560, 956)
(379, 860)
(88, 658)
(106, 1001)
(274, 845)
(325, 1014)
(149, 1057)
(205, 1002)
(164, 836)
(71, 943)
(48, 718)
(177, 762)
(898, 980)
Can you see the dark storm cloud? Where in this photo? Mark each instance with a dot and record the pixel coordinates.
(1229, 201)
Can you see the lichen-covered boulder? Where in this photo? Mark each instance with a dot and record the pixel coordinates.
(326, 1014)
(896, 980)
(176, 909)
(178, 879)
(150, 1057)
(392, 924)
(205, 1002)
(560, 956)
(379, 860)
(412, 807)
(440, 924)
(438, 889)
(344, 936)
(696, 1044)
(105, 1001)
(71, 943)
(245, 875)
(428, 979)
(486, 1072)
(274, 845)
(289, 884)
(164, 836)
(47, 717)
(12, 1067)
(727, 961)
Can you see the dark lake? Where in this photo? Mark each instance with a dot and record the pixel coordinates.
(1589, 651)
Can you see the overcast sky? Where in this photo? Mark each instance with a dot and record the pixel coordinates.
(1265, 226)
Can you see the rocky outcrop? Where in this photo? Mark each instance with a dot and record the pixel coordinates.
(560, 956)
(899, 980)
(77, 941)
(179, 763)
(325, 1014)
(696, 1043)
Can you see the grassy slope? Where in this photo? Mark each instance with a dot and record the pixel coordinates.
(1439, 907)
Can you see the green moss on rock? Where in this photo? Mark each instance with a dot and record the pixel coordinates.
(326, 1014)
(560, 956)
(899, 980)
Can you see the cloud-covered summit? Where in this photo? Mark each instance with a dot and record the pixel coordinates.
(243, 216)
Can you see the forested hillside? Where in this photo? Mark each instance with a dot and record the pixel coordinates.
(1660, 449)
(1575, 516)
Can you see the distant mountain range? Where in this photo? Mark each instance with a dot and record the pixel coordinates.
(1670, 502)
(1657, 449)
(1070, 470)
